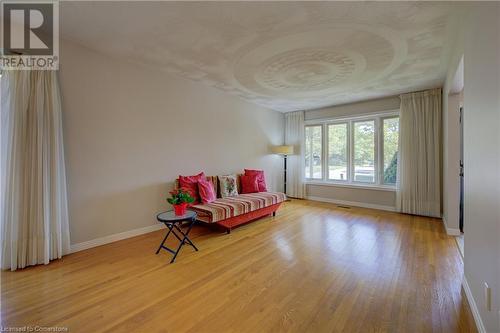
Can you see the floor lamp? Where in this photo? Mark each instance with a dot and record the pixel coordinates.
(284, 150)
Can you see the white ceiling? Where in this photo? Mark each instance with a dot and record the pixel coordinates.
(282, 55)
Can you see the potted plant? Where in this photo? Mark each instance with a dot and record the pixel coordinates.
(180, 200)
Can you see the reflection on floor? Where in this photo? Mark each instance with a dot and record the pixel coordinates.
(312, 268)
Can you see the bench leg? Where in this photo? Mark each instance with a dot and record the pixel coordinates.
(228, 231)
(274, 213)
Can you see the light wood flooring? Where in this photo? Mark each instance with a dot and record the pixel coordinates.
(314, 267)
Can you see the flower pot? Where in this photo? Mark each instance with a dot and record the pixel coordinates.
(180, 209)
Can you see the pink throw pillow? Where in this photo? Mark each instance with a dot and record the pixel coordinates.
(261, 181)
(206, 191)
(249, 184)
(190, 184)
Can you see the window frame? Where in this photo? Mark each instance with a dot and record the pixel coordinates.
(378, 119)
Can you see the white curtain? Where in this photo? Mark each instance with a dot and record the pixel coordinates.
(294, 135)
(34, 213)
(419, 190)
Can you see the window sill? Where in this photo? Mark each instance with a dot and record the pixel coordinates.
(352, 185)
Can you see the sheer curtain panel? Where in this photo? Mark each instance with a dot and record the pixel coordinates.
(294, 135)
(34, 212)
(419, 190)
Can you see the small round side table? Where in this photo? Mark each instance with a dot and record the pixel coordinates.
(173, 223)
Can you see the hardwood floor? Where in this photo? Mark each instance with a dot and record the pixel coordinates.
(312, 268)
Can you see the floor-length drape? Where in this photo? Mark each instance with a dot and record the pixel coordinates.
(34, 213)
(294, 135)
(419, 190)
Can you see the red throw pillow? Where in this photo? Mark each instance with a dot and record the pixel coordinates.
(261, 181)
(190, 184)
(193, 191)
(249, 184)
(206, 191)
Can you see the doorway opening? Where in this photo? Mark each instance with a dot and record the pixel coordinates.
(455, 167)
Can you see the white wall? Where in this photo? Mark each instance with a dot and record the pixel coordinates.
(130, 131)
(370, 198)
(481, 50)
(366, 197)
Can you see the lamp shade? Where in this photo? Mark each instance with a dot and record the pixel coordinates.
(283, 150)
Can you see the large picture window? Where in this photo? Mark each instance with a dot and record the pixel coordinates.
(356, 151)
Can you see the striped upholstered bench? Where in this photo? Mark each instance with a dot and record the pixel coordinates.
(230, 212)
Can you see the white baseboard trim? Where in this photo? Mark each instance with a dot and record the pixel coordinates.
(353, 203)
(451, 231)
(473, 306)
(114, 238)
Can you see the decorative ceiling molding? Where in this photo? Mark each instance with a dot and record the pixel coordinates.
(284, 56)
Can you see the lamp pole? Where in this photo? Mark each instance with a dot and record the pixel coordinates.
(284, 178)
(283, 150)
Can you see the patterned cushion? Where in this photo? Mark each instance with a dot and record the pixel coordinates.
(225, 208)
(228, 186)
(206, 191)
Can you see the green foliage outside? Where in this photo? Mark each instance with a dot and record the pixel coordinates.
(313, 145)
(364, 143)
(337, 145)
(391, 139)
(390, 173)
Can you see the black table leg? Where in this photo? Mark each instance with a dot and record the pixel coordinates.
(184, 240)
(169, 226)
(172, 227)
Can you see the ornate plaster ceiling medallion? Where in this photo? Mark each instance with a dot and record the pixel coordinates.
(305, 70)
(319, 62)
(282, 55)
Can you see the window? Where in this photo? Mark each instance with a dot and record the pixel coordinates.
(337, 152)
(364, 151)
(356, 151)
(390, 149)
(313, 152)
